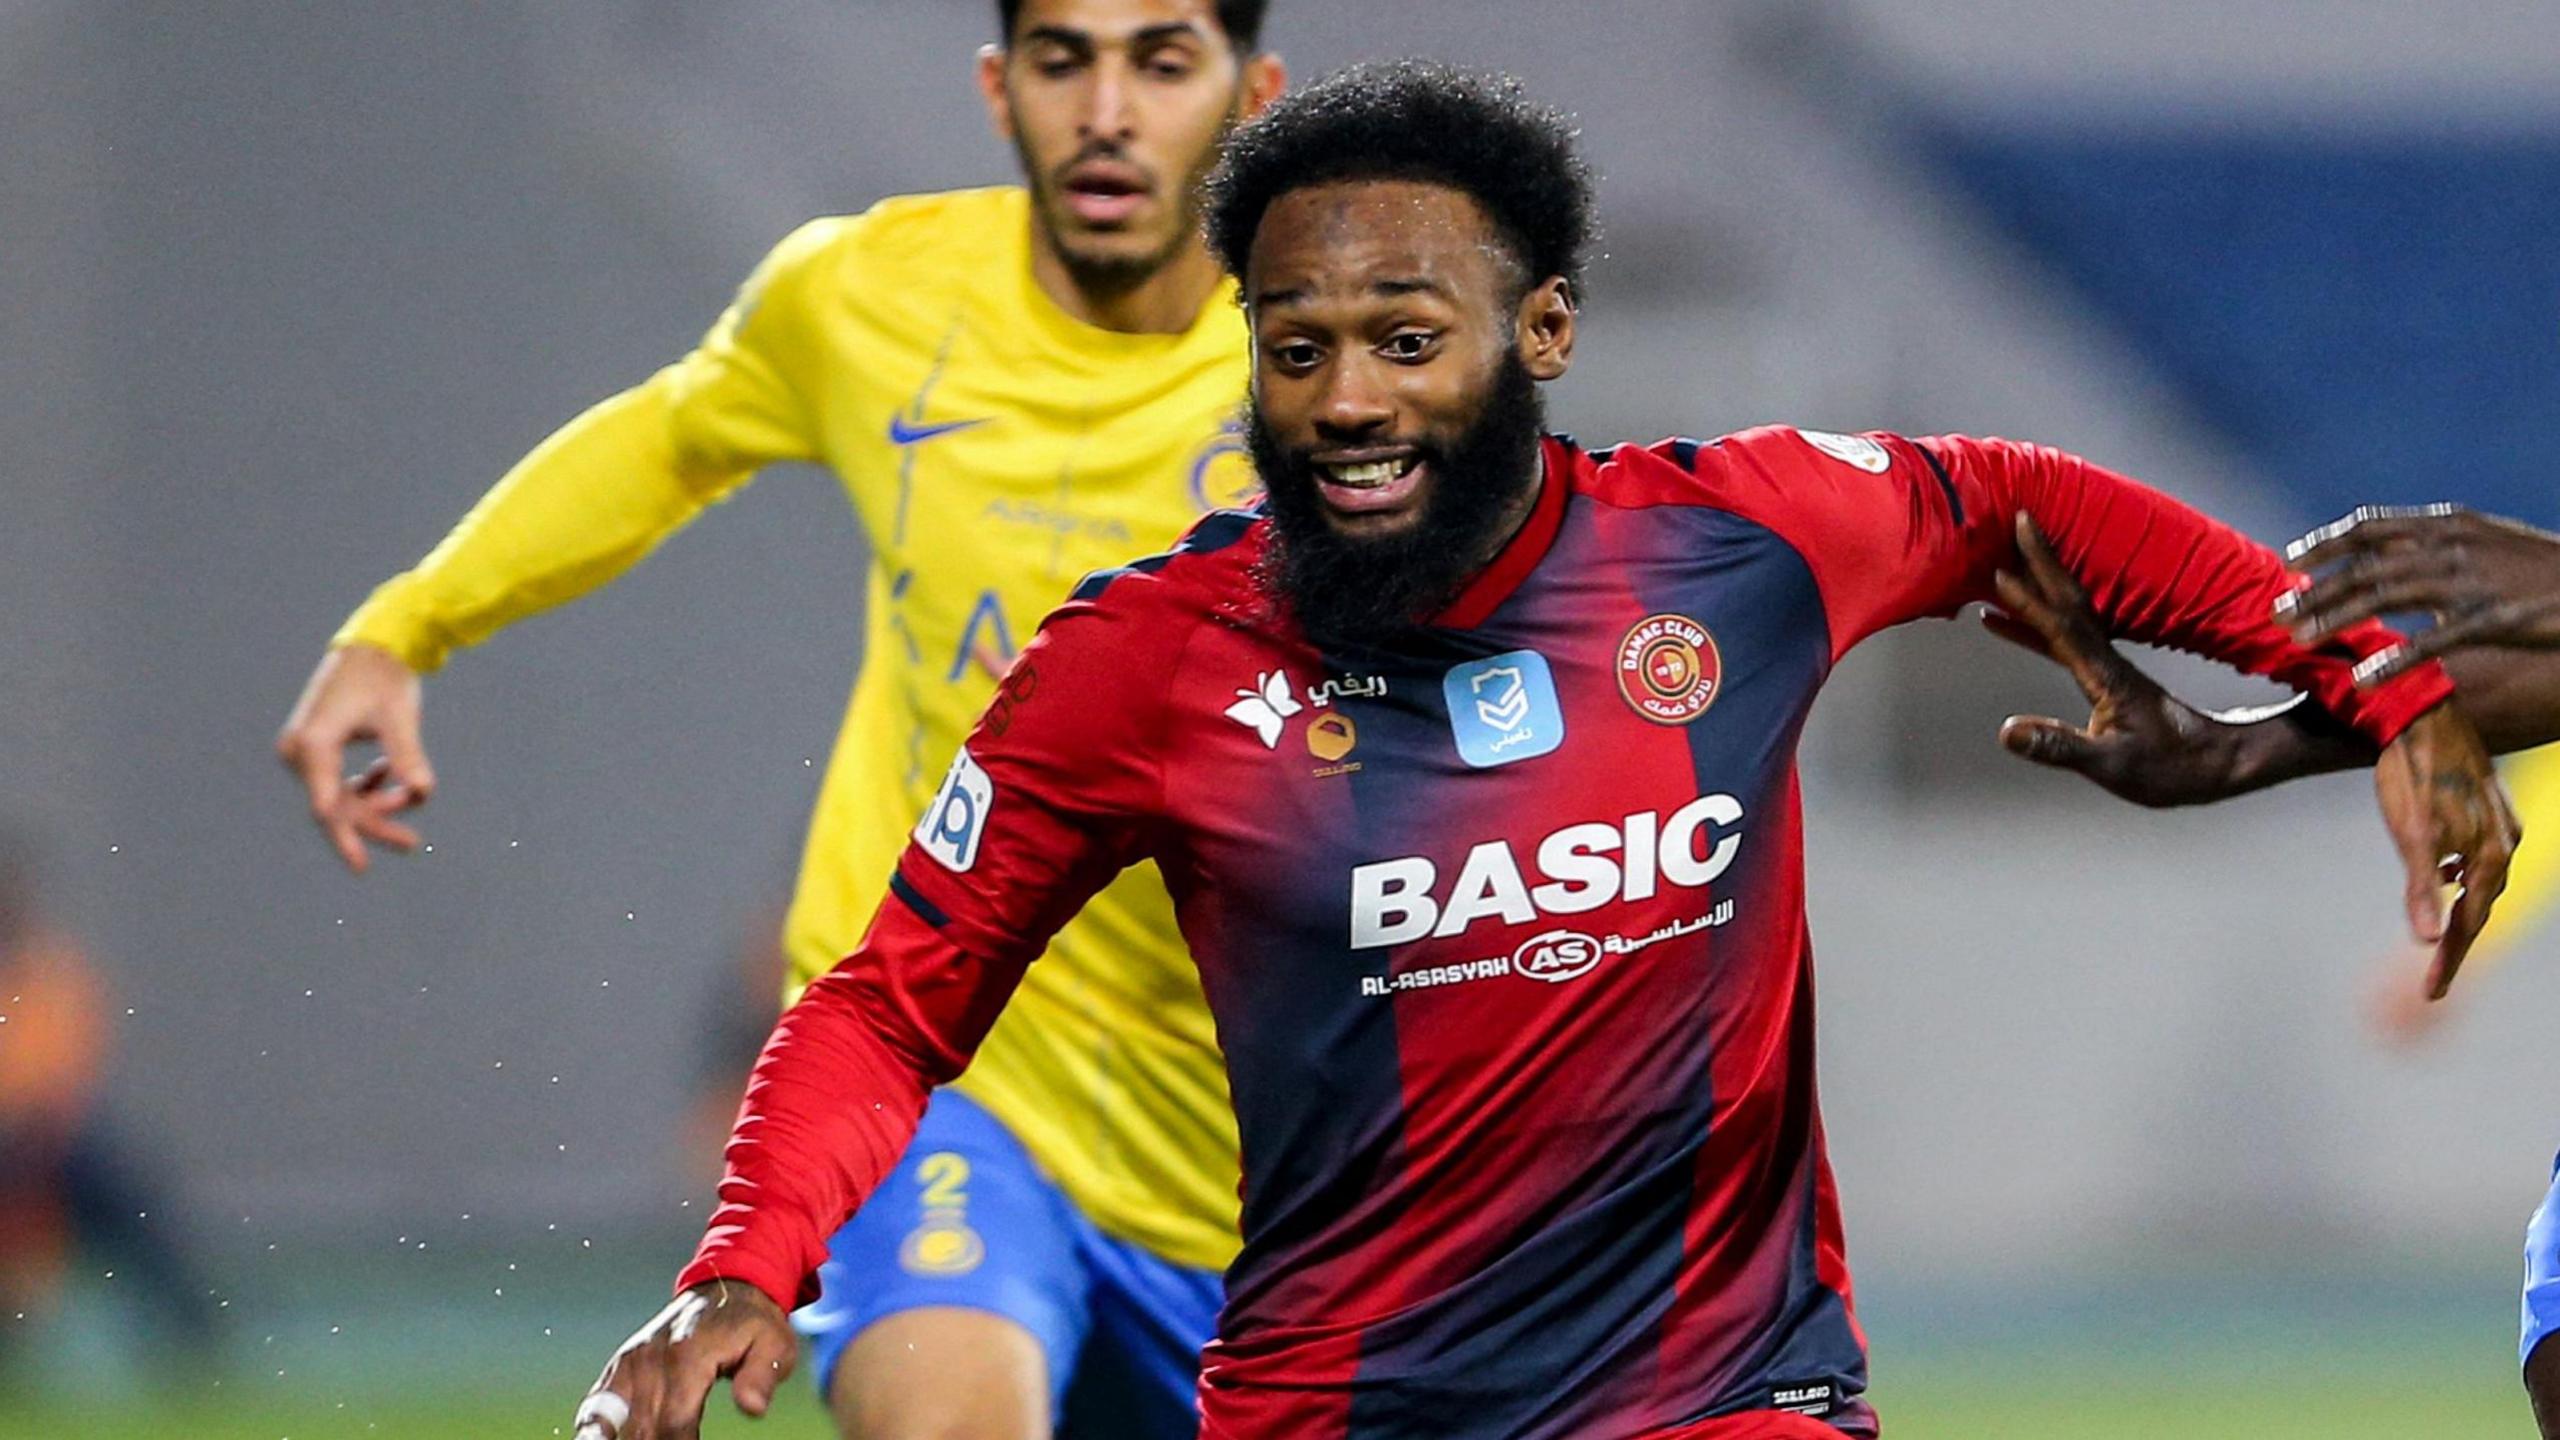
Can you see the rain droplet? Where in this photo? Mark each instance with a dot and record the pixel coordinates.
(626, 914)
(430, 849)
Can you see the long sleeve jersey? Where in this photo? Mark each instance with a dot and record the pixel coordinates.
(995, 450)
(1503, 923)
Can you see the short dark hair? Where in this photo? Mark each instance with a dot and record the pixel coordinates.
(1476, 133)
(1241, 19)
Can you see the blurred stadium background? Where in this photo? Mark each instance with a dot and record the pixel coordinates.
(284, 287)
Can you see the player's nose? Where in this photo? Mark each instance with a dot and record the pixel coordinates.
(1353, 403)
(1109, 114)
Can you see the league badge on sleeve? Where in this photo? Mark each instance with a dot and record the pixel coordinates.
(1669, 669)
(957, 819)
(1855, 450)
(1503, 708)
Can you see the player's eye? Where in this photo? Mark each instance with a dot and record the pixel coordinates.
(1410, 346)
(1296, 355)
(1170, 65)
(1056, 64)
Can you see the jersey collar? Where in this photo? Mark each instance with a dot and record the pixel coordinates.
(1527, 546)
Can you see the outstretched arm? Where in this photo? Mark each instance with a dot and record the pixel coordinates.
(1055, 792)
(2440, 798)
(583, 507)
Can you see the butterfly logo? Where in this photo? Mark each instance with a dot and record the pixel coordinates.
(1266, 707)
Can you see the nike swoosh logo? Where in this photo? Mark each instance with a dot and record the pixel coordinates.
(902, 433)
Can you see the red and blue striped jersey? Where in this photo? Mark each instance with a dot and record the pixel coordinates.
(1503, 924)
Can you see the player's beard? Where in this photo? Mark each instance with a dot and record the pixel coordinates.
(1104, 273)
(1358, 592)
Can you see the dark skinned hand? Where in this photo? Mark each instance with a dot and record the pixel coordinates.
(2142, 743)
(655, 1386)
(2488, 581)
(2448, 816)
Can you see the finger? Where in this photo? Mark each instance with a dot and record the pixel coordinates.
(2048, 741)
(2057, 583)
(2423, 897)
(2067, 639)
(407, 755)
(385, 831)
(605, 1414)
(768, 1363)
(694, 1366)
(2365, 529)
(2482, 884)
(2484, 627)
(317, 758)
(2324, 609)
(2017, 632)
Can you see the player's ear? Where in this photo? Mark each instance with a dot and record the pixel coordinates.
(1546, 329)
(991, 86)
(1265, 76)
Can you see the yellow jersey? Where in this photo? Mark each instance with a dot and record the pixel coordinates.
(996, 449)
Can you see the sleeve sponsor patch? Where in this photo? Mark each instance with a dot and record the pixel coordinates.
(957, 819)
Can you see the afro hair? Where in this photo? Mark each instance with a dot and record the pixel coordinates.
(1419, 120)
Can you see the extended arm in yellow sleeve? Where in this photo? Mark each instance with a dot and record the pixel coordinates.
(606, 488)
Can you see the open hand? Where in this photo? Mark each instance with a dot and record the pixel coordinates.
(2450, 819)
(2142, 743)
(2488, 581)
(656, 1385)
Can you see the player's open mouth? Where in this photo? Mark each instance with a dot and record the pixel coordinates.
(1368, 482)
(1105, 193)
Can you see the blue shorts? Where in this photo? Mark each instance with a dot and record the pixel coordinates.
(968, 1219)
(2542, 1270)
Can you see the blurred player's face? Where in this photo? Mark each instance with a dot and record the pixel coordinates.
(1395, 419)
(1117, 108)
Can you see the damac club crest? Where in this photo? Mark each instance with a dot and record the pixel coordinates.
(1668, 669)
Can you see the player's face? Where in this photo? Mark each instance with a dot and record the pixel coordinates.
(1116, 108)
(1383, 312)
(1395, 405)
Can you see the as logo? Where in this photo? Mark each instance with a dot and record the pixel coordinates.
(1503, 708)
(957, 819)
(1556, 956)
(1265, 707)
(1669, 669)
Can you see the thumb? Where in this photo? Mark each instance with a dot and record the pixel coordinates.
(764, 1367)
(2048, 741)
(2424, 896)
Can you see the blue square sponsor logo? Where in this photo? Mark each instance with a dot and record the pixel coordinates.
(957, 819)
(1503, 708)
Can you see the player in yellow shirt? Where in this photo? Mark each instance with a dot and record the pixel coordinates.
(1016, 386)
